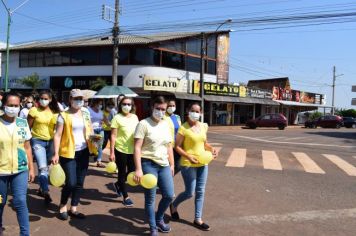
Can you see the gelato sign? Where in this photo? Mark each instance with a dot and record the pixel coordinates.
(165, 84)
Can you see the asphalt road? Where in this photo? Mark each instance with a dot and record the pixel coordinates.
(264, 182)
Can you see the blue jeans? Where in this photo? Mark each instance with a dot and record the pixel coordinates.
(43, 151)
(75, 171)
(194, 180)
(100, 143)
(18, 184)
(165, 184)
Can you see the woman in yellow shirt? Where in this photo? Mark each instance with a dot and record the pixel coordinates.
(122, 145)
(40, 121)
(191, 142)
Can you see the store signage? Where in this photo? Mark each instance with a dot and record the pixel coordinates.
(258, 93)
(16, 83)
(222, 67)
(165, 84)
(297, 96)
(216, 89)
(243, 91)
(79, 82)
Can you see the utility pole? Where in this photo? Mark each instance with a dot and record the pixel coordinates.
(115, 34)
(202, 68)
(333, 95)
(9, 13)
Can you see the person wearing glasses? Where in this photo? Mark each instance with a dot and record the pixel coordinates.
(71, 151)
(122, 145)
(154, 154)
(41, 121)
(16, 166)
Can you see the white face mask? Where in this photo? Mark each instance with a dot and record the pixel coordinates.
(171, 110)
(194, 116)
(158, 114)
(29, 105)
(77, 104)
(126, 109)
(100, 107)
(12, 111)
(0, 103)
(44, 103)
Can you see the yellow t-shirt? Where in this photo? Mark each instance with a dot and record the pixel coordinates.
(106, 116)
(194, 143)
(156, 138)
(42, 127)
(125, 132)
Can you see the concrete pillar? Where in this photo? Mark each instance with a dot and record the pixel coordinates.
(210, 113)
(254, 111)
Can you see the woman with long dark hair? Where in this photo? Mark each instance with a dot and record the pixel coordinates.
(41, 120)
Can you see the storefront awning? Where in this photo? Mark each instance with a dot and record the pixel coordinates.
(291, 103)
(187, 96)
(214, 98)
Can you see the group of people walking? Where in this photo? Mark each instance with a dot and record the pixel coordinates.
(160, 145)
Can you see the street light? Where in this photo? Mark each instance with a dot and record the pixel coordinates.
(9, 13)
(202, 55)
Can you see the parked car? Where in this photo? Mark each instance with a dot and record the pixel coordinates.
(349, 122)
(328, 121)
(268, 120)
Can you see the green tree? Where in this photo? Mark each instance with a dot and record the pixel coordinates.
(347, 113)
(33, 81)
(315, 115)
(98, 84)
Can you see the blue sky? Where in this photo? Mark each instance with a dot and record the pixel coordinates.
(305, 54)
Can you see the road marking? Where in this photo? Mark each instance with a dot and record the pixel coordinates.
(295, 138)
(308, 164)
(342, 164)
(215, 144)
(237, 158)
(299, 216)
(271, 160)
(281, 142)
(280, 137)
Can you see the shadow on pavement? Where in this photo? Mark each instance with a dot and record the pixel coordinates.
(350, 137)
(122, 221)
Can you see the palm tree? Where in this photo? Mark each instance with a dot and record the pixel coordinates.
(33, 81)
(98, 84)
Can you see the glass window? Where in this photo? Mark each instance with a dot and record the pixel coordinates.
(211, 67)
(173, 60)
(266, 117)
(84, 57)
(211, 46)
(31, 59)
(48, 58)
(39, 59)
(65, 58)
(57, 58)
(192, 64)
(144, 56)
(106, 56)
(174, 46)
(23, 59)
(123, 56)
(193, 46)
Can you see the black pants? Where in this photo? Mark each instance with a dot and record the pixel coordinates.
(125, 164)
(75, 171)
(107, 136)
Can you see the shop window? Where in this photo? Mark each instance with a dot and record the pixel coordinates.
(210, 67)
(192, 64)
(144, 56)
(173, 60)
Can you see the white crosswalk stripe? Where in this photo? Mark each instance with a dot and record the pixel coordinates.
(237, 158)
(308, 164)
(342, 164)
(271, 160)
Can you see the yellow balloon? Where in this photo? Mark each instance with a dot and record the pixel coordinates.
(130, 179)
(57, 176)
(149, 181)
(205, 158)
(111, 167)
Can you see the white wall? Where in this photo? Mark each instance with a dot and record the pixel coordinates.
(132, 74)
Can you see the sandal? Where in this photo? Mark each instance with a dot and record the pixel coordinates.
(100, 165)
(63, 215)
(76, 214)
(202, 226)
